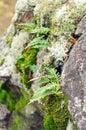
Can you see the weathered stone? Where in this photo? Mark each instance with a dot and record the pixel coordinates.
(4, 116)
(81, 29)
(3, 112)
(74, 82)
(32, 120)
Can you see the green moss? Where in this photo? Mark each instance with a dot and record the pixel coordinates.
(2, 61)
(3, 96)
(49, 123)
(75, 127)
(28, 58)
(24, 64)
(22, 102)
(57, 107)
(25, 80)
(17, 124)
(7, 98)
(19, 107)
(9, 40)
(1, 84)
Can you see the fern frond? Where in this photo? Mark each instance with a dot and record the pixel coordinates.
(38, 42)
(41, 30)
(44, 80)
(26, 26)
(50, 88)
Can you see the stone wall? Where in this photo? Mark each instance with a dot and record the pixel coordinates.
(56, 21)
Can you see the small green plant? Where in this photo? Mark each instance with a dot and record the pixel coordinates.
(9, 40)
(40, 30)
(49, 123)
(57, 107)
(50, 83)
(26, 26)
(33, 28)
(38, 43)
(27, 62)
(2, 61)
(21, 103)
(17, 124)
(7, 98)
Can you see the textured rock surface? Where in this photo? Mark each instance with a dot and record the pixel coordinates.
(81, 29)
(74, 82)
(74, 70)
(8, 68)
(4, 114)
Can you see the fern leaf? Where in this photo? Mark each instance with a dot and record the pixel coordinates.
(26, 26)
(44, 81)
(41, 30)
(38, 42)
(50, 88)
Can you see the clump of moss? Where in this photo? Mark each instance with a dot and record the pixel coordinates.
(2, 61)
(75, 127)
(8, 99)
(17, 123)
(24, 64)
(49, 123)
(21, 103)
(58, 114)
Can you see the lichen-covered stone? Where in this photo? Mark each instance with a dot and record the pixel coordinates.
(81, 29)
(57, 17)
(80, 2)
(4, 115)
(74, 82)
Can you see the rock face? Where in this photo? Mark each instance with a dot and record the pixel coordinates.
(81, 27)
(74, 79)
(4, 114)
(16, 63)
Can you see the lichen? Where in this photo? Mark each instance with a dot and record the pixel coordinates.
(17, 45)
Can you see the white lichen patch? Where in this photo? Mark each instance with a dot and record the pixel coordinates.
(22, 5)
(61, 13)
(29, 109)
(80, 2)
(44, 7)
(58, 49)
(7, 67)
(77, 102)
(18, 45)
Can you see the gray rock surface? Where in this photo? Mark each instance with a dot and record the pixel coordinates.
(4, 115)
(74, 82)
(81, 29)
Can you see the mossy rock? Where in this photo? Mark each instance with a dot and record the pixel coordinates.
(58, 114)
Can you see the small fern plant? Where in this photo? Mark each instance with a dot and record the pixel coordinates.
(50, 82)
(38, 43)
(32, 28)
